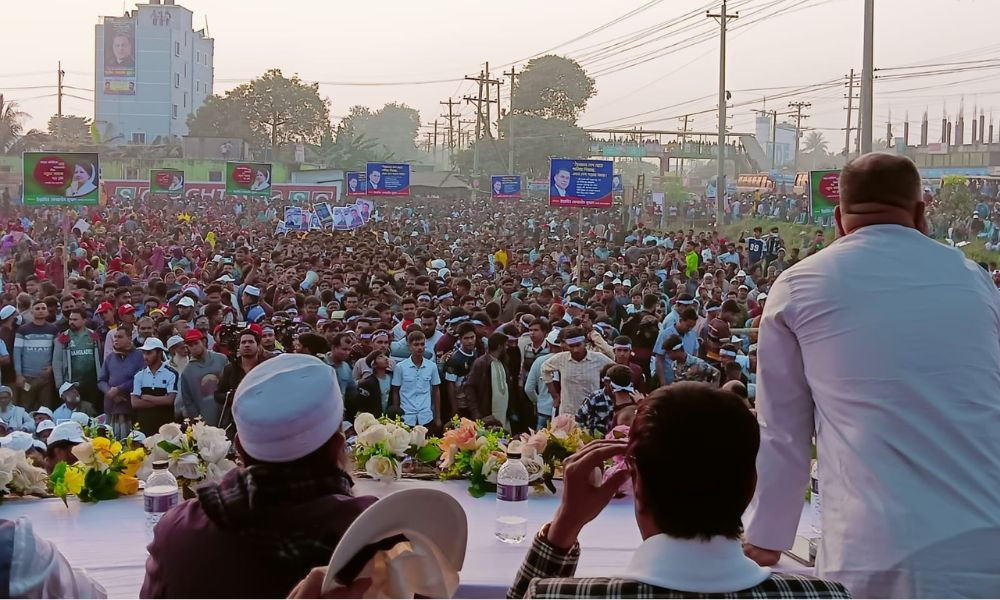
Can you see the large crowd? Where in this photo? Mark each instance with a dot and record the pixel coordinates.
(130, 316)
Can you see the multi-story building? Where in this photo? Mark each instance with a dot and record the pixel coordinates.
(152, 69)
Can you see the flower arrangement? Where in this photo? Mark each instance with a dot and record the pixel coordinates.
(555, 443)
(619, 432)
(19, 477)
(382, 444)
(105, 469)
(196, 453)
(472, 451)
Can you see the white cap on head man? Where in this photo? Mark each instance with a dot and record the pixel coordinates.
(277, 426)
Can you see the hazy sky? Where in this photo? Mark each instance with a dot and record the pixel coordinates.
(776, 46)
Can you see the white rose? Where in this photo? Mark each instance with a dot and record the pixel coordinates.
(216, 471)
(84, 452)
(399, 441)
(170, 431)
(363, 422)
(382, 468)
(373, 435)
(559, 434)
(418, 436)
(206, 434)
(490, 468)
(213, 446)
(186, 466)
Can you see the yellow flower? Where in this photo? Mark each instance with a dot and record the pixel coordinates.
(127, 485)
(74, 480)
(101, 443)
(132, 460)
(116, 448)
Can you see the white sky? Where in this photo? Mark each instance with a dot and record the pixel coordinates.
(808, 41)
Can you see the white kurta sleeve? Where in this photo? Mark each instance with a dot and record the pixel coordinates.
(39, 570)
(785, 412)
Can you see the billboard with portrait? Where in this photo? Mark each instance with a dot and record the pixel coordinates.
(166, 181)
(251, 179)
(119, 56)
(580, 183)
(616, 184)
(387, 179)
(61, 178)
(824, 192)
(506, 186)
(355, 183)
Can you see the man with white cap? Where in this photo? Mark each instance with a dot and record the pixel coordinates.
(13, 416)
(44, 429)
(8, 322)
(178, 352)
(60, 444)
(253, 310)
(185, 309)
(72, 403)
(154, 388)
(260, 530)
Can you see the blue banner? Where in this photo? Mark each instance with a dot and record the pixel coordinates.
(580, 183)
(387, 179)
(506, 186)
(355, 183)
(616, 184)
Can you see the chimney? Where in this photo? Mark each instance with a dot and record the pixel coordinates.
(982, 127)
(974, 130)
(924, 127)
(960, 130)
(906, 134)
(947, 140)
(944, 130)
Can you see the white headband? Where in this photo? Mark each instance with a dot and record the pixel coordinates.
(622, 388)
(623, 346)
(678, 347)
(575, 304)
(575, 340)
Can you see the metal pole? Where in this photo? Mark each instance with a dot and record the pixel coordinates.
(579, 249)
(850, 100)
(868, 78)
(510, 124)
(720, 181)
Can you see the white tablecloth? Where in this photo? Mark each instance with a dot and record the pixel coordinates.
(108, 539)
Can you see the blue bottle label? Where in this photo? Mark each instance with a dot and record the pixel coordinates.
(512, 493)
(160, 504)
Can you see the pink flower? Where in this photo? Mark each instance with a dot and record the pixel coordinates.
(562, 425)
(537, 441)
(462, 438)
(620, 432)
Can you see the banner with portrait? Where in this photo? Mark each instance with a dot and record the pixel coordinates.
(580, 183)
(387, 179)
(355, 183)
(250, 179)
(119, 56)
(505, 187)
(169, 182)
(824, 192)
(52, 178)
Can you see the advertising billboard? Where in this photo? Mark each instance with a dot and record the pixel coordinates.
(169, 182)
(506, 186)
(356, 183)
(824, 192)
(251, 179)
(61, 178)
(387, 179)
(119, 56)
(580, 183)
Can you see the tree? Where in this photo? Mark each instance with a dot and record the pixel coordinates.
(393, 128)
(956, 201)
(815, 143)
(270, 111)
(553, 87)
(13, 139)
(69, 130)
(540, 139)
(349, 151)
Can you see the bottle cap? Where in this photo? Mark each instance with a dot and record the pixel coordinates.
(160, 464)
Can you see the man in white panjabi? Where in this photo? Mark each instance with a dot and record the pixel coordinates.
(906, 412)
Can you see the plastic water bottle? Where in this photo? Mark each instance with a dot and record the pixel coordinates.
(512, 500)
(816, 503)
(160, 494)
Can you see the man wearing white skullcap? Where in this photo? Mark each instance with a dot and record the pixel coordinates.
(259, 530)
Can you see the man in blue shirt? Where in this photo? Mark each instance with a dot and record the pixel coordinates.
(416, 386)
(684, 329)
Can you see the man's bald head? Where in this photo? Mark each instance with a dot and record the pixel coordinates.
(879, 178)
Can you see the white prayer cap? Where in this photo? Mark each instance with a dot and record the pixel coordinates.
(39, 444)
(572, 290)
(438, 263)
(741, 274)
(174, 340)
(82, 418)
(68, 431)
(16, 440)
(251, 290)
(553, 337)
(287, 407)
(186, 301)
(65, 387)
(761, 297)
(225, 279)
(6, 312)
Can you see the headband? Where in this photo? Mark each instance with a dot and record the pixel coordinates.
(445, 296)
(424, 295)
(512, 338)
(352, 318)
(380, 333)
(622, 388)
(575, 304)
(727, 353)
(575, 340)
(457, 319)
(366, 336)
(679, 346)
(477, 322)
(623, 346)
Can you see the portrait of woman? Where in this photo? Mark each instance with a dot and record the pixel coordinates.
(261, 181)
(83, 180)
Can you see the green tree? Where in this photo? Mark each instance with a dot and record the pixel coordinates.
(13, 138)
(553, 87)
(955, 202)
(815, 143)
(349, 151)
(69, 131)
(539, 140)
(270, 111)
(393, 128)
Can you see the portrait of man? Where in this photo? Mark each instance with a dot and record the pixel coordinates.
(354, 220)
(497, 186)
(375, 179)
(352, 184)
(560, 183)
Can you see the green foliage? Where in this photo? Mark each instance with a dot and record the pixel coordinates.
(553, 87)
(13, 138)
(99, 485)
(956, 201)
(428, 454)
(69, 130)
(269, 111)
(393, 128)
(536, 140)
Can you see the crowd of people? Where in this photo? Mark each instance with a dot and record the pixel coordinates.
(509, 313)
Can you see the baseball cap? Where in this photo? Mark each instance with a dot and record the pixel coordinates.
(225, 279)
(6, 312)
(46, 425)
(16, 440)
(103, 307)
(285, 431)
(186, 301)
(65, 387)
(761, 297)
(152, 343)
(176, 339)
(193, 335)
(251, 290)
(44, 410)
(68, 431)
(125, 309)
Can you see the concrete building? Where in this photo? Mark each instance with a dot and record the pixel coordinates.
(152, 69)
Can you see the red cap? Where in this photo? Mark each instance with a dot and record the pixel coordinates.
(193, 335)
(125, 309)
(104, 307)
(256, 329)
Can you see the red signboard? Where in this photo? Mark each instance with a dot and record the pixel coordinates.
(119, 190)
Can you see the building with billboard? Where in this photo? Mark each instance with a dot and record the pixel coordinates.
(152, 69)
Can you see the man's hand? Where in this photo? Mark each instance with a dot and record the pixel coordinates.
(112, 393)
(584, 497)
(761, 556)
(19, 382)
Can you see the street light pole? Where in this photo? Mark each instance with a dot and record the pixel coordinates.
(720, 182)
(868, 78)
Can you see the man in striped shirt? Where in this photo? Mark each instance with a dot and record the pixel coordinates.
(573, 374)
(33, 345)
